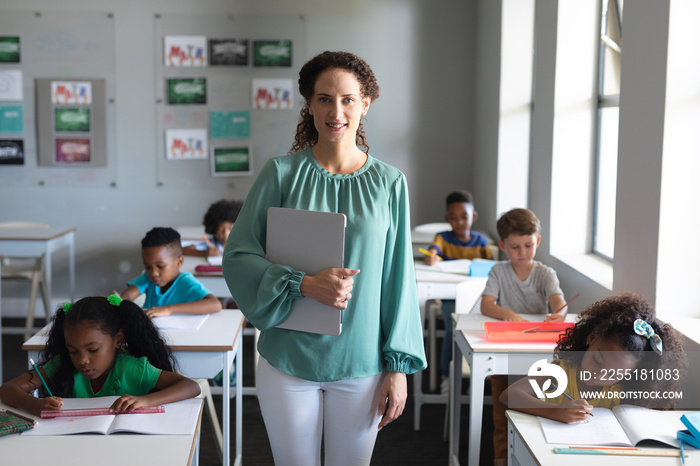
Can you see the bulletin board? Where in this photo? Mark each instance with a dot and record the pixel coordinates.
(63, 46)
(221, 76)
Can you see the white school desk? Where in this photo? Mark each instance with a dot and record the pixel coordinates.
(213, 281)
(105, 450)
(200, 354)
(485, 358)
(33, 242)
(527, 446)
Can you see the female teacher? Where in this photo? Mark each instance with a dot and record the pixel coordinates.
(340, 388)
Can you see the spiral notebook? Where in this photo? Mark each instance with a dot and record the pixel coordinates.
(310, 242)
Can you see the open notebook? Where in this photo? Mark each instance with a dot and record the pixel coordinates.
(624, 425)
(179, 418)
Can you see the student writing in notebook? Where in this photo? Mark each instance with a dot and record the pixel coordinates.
(520, 285)
(101, 347)
(617, 346)
(459, 243)
(168, 291)
(343, 388)
(218, 221)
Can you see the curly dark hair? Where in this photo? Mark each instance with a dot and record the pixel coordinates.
(141, 338)
(459, 196)
(221, 211)
(307, 135)
(613, 318)
(163, 236)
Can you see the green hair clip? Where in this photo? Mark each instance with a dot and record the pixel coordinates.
(114, 299)
(66, 307)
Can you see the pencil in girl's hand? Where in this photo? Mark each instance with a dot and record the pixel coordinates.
(428, 253)
(566, 395)
(31, 361)
(206, 240)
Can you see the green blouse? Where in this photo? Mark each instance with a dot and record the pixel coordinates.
(129, 376)
(381, 326)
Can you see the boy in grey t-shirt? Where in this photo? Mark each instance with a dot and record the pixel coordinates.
(520, 285)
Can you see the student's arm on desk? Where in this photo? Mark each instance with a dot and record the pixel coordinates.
(521, 397)
(556, 302)
(491, 309)
(207, 305)
(17, 393)
(191, 250)
(171, 387)
(131, 293)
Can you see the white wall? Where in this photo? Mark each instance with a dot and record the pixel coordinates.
(423, 54)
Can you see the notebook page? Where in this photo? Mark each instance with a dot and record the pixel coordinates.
(602, 428)
(649, 424)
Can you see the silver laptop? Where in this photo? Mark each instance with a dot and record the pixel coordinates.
(310, 242)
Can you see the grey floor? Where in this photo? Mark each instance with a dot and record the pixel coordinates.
(397, 444)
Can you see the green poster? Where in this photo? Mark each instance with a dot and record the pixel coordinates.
(11, 119)
(231, 161)
(9, 49)
(272, 53)
(187, 91)
(229, 125)
(71, 120)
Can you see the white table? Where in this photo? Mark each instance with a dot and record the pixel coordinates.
(200, 354)
(485, 358)
(35, 242)
(527, 446)
(105, 450)
(213, 281)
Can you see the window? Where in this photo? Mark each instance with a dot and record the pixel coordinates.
(605, 177)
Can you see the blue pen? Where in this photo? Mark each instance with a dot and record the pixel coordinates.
(31, 361)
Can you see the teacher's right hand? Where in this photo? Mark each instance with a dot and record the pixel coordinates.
(331, 287)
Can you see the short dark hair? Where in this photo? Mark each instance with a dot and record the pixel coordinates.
(163, 236)
(221, 211)
(519, 222)
(459, 196)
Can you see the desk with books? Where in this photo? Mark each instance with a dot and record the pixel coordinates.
(199, 353)
(106, 450)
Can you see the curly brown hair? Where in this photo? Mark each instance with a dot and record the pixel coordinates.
(306, 134)
(613, 318)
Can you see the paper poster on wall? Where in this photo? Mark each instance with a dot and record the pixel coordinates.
(185, 51)
(182, 91)
(272, 93)
(231, 161)
(9, 49)
(11, 119)
(67, 120)
(229, 124)
(272, 53)
(185, 144)
(11, 152)
(71, 92)
(72, 151)
(228, 52)
(10, 85)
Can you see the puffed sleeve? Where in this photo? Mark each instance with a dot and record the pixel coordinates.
(265, 292)
(402, 346)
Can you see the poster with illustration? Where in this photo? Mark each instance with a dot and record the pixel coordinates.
(231, 161)
(272, 53)
(272, 94)
(9, 49)
(185, 51)
(186, 144)
(183, 91)
(71, 92)
(11, 152)
(72, 151)
(228, 52)
(71, 120)
(10, 85)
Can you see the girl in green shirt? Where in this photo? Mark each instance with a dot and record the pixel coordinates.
(102, 347)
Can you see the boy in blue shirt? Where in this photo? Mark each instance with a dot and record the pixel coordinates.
(459, 243)
(168, 291)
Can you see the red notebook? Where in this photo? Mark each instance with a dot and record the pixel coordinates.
(525, 331)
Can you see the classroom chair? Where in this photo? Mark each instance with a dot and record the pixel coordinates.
(29, 269)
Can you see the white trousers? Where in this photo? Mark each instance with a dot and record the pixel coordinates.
(298, 412)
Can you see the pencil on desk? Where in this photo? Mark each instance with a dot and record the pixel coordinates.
(567, 303)
(206, 240)
(46, 386)
(428, 253)
(617, 452)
